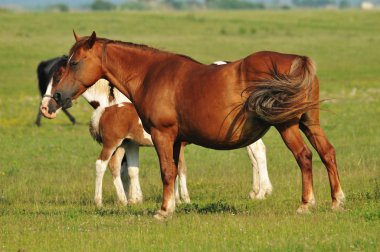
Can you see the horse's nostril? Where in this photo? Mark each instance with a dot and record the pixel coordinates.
(57, 97)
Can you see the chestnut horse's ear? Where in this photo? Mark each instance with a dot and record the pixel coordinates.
(91, 40)
(76, 36)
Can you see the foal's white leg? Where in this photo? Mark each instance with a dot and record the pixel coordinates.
(261, 182)
(115, 168)
(101, 166)
(176, 191)
(182, 169)
(133, 190)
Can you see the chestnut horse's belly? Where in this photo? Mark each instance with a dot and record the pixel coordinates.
(228, 133)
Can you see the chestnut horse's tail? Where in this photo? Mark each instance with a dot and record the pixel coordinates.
(282, 97)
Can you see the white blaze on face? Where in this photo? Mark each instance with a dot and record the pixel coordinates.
(45, 102)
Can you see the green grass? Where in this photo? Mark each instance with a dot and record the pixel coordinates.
(47, 174)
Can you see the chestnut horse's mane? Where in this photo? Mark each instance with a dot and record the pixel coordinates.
(128, 44)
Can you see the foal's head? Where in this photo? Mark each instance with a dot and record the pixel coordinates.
(55, 73)
(83, 69)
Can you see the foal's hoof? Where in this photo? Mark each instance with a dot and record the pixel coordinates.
(186, 200)
(178, 201)
(135, 201)
(162, 215)
(259, 195)
(99, 205)
(123, 202)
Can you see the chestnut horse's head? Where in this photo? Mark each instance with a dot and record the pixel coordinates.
(83, 69)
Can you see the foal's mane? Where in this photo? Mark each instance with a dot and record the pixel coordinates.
(142, 47)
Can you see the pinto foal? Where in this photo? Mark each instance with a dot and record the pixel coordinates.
(116, 125)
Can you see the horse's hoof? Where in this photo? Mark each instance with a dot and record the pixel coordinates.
(162, 215)
(186, 200)
(338, 207)
(252, 195)
(123, 202)
(303, 209)
(260, 195)
(135, 201)
(178, 201)
(98, 203)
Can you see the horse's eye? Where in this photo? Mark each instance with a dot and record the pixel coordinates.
(73, 63)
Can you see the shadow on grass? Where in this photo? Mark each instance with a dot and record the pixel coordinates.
(210, 208)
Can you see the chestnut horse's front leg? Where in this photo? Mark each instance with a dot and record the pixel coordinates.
(168, 154)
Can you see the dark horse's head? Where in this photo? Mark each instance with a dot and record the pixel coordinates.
(82, 70)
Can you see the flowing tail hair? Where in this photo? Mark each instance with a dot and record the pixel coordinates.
(282, 97)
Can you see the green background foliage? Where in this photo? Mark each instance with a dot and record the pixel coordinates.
(47, 174)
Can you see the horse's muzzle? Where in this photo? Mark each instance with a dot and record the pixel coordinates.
(62, 101)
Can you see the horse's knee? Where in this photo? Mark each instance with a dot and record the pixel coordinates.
(133, 172)
(100, 166)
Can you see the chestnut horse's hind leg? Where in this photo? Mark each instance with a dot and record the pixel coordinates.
(261, 182)
(291, 135)
(168, 154)
(115, 168)
(326, 151)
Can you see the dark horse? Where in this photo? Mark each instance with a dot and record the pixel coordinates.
(45, 71)
(220, 107)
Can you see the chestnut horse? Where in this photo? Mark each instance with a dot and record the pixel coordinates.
(221, 107)
(118, 127)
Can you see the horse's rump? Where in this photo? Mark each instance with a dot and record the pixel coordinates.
(277, 97)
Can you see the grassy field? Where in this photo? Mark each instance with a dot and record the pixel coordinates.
(47, 174)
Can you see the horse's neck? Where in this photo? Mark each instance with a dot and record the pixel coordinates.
(126, 67)
(100, 93)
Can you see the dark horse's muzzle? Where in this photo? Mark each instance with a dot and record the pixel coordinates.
(63, 101)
